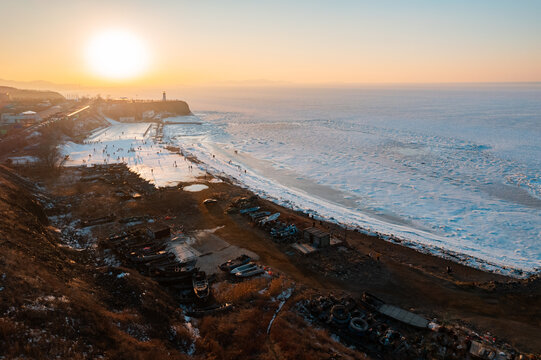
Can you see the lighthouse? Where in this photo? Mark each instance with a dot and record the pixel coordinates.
(163, 97)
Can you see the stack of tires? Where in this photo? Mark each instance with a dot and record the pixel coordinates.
(358, 326)
(340, 315)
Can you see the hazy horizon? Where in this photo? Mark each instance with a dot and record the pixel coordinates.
(179, 91)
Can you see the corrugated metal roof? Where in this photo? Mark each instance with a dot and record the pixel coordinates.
(303, 248)
(185, 253)
(403, 315)
(316, 232)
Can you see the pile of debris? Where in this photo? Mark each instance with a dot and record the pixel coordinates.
(148, 250)
(386, 331)
(132, 184)
(309, 241)
(240, 203)
(281, 232)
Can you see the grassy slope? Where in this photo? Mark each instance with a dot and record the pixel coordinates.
(57, 301)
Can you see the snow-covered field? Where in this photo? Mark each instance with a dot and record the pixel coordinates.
(134, 145)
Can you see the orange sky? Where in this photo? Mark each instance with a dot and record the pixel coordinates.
(314, 42)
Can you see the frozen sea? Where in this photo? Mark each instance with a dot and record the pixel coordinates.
(454, 170)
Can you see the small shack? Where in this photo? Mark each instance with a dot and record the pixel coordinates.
(317, 237)
(158, 230)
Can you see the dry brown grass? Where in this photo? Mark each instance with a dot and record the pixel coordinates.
(52, 300)
(296, 340)
(237, 335)
(241, 292)
(243, 333)
(279, 285)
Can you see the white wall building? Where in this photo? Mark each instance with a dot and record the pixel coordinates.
(127, 119)
(26, 117)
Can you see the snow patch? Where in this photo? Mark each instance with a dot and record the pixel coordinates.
(195, 187)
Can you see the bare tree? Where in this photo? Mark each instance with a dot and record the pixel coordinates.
(48, 150)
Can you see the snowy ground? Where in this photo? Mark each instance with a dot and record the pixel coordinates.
(23, 160)
(134, 145)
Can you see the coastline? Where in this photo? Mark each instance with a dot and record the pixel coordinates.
(339, 215)
(317, 208)
(398, 274)
(364, 263)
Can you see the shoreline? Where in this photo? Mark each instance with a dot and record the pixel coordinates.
(355, 234)
(206, 163)
(418, 245)
(427, 249)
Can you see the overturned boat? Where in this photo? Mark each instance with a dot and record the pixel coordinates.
(257, 270)
(200, 284)
(160, 255)
(234, 263)
(244, 267)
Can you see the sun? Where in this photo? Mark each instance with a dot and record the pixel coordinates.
(117, 54)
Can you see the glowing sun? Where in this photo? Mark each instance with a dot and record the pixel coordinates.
(117, 54)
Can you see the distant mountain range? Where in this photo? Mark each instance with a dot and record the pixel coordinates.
(40, 85)
(21, 94)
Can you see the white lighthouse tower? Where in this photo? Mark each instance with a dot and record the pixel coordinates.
(163, 97)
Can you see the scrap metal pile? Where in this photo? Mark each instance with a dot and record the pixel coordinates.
(148, 252)
(281, 232)
(387, 332)
(132, 185)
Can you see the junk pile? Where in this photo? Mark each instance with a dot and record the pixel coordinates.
(240, 203)
(385, 331)
(147, 250)
(281, 232)
(117, 174)
(98, 221)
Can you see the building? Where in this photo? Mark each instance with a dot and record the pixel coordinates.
(26, 117)
(158, 231)
(149, 114)
(128, 119)
(317, 237)
(163, 97)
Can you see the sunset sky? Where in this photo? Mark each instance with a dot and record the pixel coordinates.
(309, 42)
